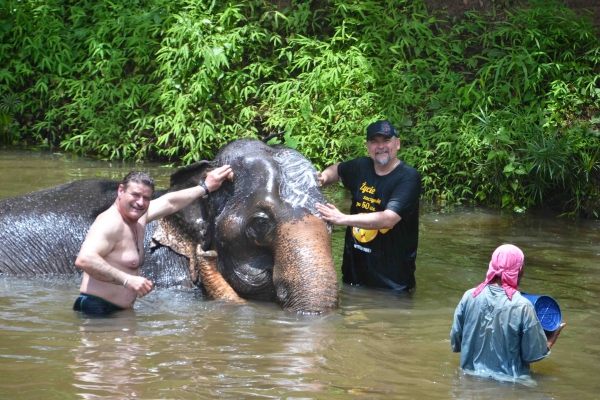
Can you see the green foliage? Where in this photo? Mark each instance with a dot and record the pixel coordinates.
(213, 64)
(502, 111)
(9, 105)
(83, 71)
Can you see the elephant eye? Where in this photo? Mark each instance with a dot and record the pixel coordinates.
(259, 227)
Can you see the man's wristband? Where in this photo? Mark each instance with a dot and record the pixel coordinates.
(203, 186)
(126, 280)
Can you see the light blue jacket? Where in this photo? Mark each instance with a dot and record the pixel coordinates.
(496, 336)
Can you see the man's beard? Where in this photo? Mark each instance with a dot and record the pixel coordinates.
(383, 162)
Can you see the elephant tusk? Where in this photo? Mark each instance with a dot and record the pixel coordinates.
(206, 254)
(216, 286)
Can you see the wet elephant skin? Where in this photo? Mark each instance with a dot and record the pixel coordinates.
(41, 232)
(267, 225)
(263, 225)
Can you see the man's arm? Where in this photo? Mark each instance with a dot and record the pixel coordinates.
(376, 220)
(535, 342)
(329, 175)
(175, 201)
(98, 243)
(553, 336)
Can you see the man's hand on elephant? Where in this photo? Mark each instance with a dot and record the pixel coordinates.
(331, 214)
(140, 285)
(215, 178)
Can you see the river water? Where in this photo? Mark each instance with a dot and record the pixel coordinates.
(378, 345)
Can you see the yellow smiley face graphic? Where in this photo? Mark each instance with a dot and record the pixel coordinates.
(364, 235)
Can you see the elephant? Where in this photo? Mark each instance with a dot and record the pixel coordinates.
(259, 236)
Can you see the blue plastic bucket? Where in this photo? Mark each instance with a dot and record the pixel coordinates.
(547, 310)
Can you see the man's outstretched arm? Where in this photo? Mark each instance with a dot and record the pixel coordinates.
(385, 219)
(175, 201)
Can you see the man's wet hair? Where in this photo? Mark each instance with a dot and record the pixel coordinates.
(138, 177)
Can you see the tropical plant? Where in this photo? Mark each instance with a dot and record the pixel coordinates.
(498, 109)
(9, 105)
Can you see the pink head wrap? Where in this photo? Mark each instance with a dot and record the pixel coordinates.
(506, 262)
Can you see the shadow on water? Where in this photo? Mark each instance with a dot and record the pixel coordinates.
(378, 345)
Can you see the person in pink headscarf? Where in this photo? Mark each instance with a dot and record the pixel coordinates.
(495, 329)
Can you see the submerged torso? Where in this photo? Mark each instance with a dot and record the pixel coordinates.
(124, 256)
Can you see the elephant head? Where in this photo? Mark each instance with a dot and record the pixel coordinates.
(263, 225)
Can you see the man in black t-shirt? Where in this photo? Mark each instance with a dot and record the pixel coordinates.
(383, 226)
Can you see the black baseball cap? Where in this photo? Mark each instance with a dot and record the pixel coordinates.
(384, 128)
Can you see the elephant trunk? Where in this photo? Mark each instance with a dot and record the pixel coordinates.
(304, 274)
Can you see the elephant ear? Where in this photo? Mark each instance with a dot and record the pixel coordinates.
(184, 230)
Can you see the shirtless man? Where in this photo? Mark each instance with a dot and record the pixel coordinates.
(112, 254)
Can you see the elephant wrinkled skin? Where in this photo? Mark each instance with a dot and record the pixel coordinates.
(262, 226)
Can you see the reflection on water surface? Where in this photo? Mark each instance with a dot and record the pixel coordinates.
(378, 345)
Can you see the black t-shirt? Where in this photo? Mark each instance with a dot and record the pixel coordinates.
(382, 258)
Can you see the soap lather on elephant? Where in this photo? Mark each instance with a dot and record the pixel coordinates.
(257, 237)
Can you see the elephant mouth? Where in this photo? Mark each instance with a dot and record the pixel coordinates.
(253, 280)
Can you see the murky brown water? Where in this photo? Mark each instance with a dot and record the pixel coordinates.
(378, 345)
